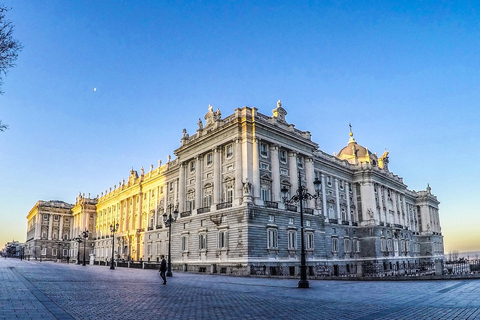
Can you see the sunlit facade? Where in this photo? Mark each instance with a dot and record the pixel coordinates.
(226, 182)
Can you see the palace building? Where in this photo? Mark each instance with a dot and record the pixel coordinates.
(226, 184)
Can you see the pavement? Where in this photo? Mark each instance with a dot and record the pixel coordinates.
(50, 290)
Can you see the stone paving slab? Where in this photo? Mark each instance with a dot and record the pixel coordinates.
(48, 290)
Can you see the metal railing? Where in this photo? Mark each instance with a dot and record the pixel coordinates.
(203, 210)
(224, 205)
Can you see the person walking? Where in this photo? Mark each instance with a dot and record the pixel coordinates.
(163, 269)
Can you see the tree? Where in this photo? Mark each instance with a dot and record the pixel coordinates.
(9, 47)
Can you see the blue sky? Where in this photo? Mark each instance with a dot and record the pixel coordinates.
(406, 75)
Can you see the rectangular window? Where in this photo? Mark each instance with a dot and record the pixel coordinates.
(192, 166)
(65, 252)
(55, 218)
(300, 162)
(54, 252)
(309, 243)
(209, 159)
(308, 223)
(44, 251)
(383, 245)
(292, 240)
(229, 150)
(272, 239)
(184, 243)
(263, 149)
(202, 241)
(265, 193)
(334, 245)
(230, 195)
(271, 218)
(283, 156)
(348, 245)
(45, 217)
(284, 172)
(290, 220)
(149, 249)
(222, 239)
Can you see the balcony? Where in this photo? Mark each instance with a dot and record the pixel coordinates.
(291, 208)
(159, 226)
(203, 210)
(308, 210)
(150, 228)
(333, 221)
(345, 223)
(399, 226)
(271, 204)
(185, 214)
(224, 205)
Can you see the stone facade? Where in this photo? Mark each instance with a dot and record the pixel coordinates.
(226, 183)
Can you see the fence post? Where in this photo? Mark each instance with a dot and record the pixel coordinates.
(359, 269)
(438, 267)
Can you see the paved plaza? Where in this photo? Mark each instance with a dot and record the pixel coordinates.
(49, 290)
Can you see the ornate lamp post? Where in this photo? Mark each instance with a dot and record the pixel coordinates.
(78, 240)
(85, 236)
(168, 219)
(113, 229)
(300, 196)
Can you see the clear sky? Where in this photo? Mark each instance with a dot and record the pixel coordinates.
(104, 86)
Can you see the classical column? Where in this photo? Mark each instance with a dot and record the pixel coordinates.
(255, 171)
(217, 176)
(394, 201)
(275, 173)
(337, 202)
(292, 168)
(324, 197)
(310, 176)
(60, 229)
(367, 201)
(404, 213)
(380, 203)
(140, 210)
(198, 183)
(376, 215)
(38, 226)
(181, 187)
(238, 172)
(50, 226)
(347, 195)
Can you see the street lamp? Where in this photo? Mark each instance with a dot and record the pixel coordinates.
(85, 236)
(300, 196)
(113, 229)
(78, 240)
(168, 219)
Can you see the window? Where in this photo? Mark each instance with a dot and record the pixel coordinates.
(348, 245)
(264, 166)
(207, 196)
(284, 172)
(271, 218)
(192, 166)
(334, 245)
(290, 220)
(272, 238)
(66, 219)
(170, 186)
(292, 240)
(45, 217)
(283, 156)
(383, 245)
(54, 252)
(190, 200)
(356, 245)
(229, 150)
(149, 249)
(222, 239)
(389, 244)
(308, 223)
(202, 241)
(55, 218)
(265, 193)
(229, 194)
(263, 149)
(184, 243)
(329, 181)
(300, 162)
(65, 252)
(209, 159)
(44, 251)
(309, 242)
